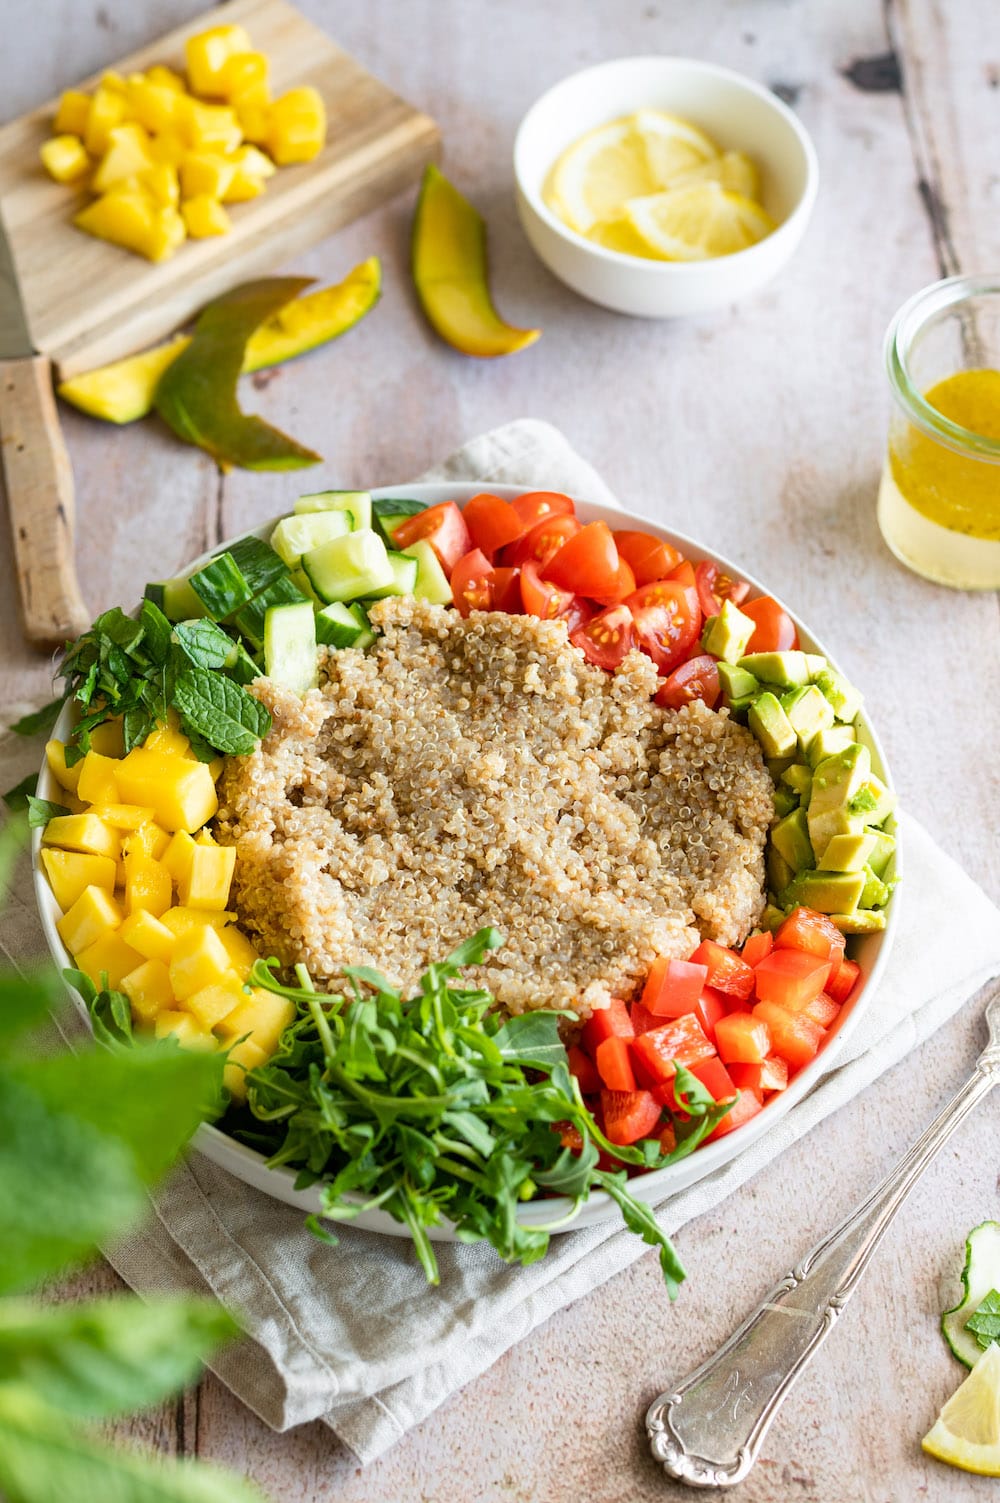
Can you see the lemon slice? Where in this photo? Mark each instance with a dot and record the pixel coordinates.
(672, 145)
(593, 178)
(967, 1432)
(698, 222)
(733, 171)
(618, 235)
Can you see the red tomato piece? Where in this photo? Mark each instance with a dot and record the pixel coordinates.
(698, 678)
(742, 1039)
(684, 572)
(673, 987)
(608, 1022)
(667, 621)
(569, 1136)
(492, 523)
(472, 583)
(507, 591)
(775, 630)
(656, 1053)
(714, 587)
(727, 972)
(444, 528)
(815, 933)
(648, 557)
(822, 1009)
(614, 1064)
(791, 978)
(629, 1115)
(540, 598)
(543, 541)
(606, 638)
(745, 1107)
(587, 563)
(757, 946)
(624, 586)
(580, 612)
(794, 1036)
(533, 506)
(668, 1138)
(583, 1067)
(842, 980)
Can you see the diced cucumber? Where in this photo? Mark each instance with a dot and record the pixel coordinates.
(290, 646)
(301, 579)
(356, 504)
(367, 636)
(404, 576)
(250, 620)
(392, 511)
(349, 567)
(431, 582)
(257, 562)
(245, 669)
(176, 599)
(980, 1277)
(337, 626)
(221, 587)
(295, 536)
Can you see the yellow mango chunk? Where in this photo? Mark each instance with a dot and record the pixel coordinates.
(199, 960)
(113, 82)
(107, 109)
(185, 920)
(162, 183)
(253, 111)
(83, 832)
(241, 1058)
(64, 158)
(153, 105)
(213, 1003)
(183, 1027)
(148, 990)
(134, 221)
(241, 952)
(127, 155)
(147, 885)
(263, 1016)
(297, 126)
(55, 755)
(204, 837)
(97, 783)
(210, 127)
(70, 873)
(148, 840)
(242, 71)
(169, 737)
(180, 792)
(206, 172)
(71, 115)
(208, 878)
(108, 738)
(166, 77)
(95, 913)
(147, 935)
(128, 817)
(204, 217)
(250, 170)
(109, 956)
(207, 53)
(177, 856)
(170, 148)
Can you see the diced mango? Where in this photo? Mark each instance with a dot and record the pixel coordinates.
(206, 172)
(263, 1016)
(162, 183)
(109, 956)
(241, 952)
(127, 155)
(97, 783)
(250, 170)
(297, 126)
(71, 872)
(147, 935)
(113, 82)
(129, 817)
(183, 920)
(64, 158)
(177, 856)
(213, 1003)
(210, 127)
(166, 77)
(209, 877)
(154, 105)
(95, 913)
(207, 53)
(242, 1057)
(253, 111)
(147, 840)
(169, 148)
(199, 959)
(148, 990)
(204, 217)
(71, 116)
(181, 792)
(242, 71)
(107, 109)
(205, 837)
(55, 755)
(108, 738)
(147, 885)
(134, 221)
(168, 737)
(83, 832)
(183, 1027)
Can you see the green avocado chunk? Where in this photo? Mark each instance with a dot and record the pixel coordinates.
(779, 873)
(816, 665)
(836, 782)
(786, 669)
(808, 712)
(785, 800)
(874, 802)
(799, 779)
(862, 921)
(736, 682)
(771, 726)
(848, 853)
(772, 916)
(844, 699)
(827, 892)
(875, 893)
(790, 838)
(727, 634)
(882, 851)
(827, 742)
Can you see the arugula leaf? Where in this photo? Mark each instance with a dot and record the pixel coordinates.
(39, 720)
(221, 711)
(533, 1038)
(110, 1011)
(41, 810)
(16, 798)
(984, 1322)
(639, 1218)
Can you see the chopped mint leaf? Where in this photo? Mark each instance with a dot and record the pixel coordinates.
(41, 810)
(984, 1323)
(39, 720)
(222, 712)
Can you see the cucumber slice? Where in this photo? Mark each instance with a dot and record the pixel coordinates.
(980, 1274)
(257, 562)
(356, 504)
(392, 511)
(404, 571)
(432, 582)
(250, 619)
(348, 567)
(295, 536)
(176, 599)
(367, 636)
(290, 646)
(337, 626)
(221, 587)
(301, 579)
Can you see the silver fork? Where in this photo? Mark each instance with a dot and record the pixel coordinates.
(708, 1431)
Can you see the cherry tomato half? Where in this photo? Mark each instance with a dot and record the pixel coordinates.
(667, 628)
(507, 591)
(444, 528)
(607, 638)
(714, 587)
(648, 557)
(624, 586)
(775, 630)
(534, 506)
(685, 573)
(472, 583)
(543, 541)
(587, 563)
(540, 598)
(698, 678)
(492, 523)
(580, 612)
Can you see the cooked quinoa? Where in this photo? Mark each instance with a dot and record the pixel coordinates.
(480, 771)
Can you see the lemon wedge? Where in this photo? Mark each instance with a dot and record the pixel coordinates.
(594, 177)
(967, 1431)
(671, 145)
(697, 222)
(618, 235)
(733, 170)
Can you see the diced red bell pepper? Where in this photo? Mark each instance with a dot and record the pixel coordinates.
(791, 978)
(742, 1039)
(815, 933)
(842, 980)
(794, 1036)
(654, 1053)
(726, 971)
(673, 987)
(586, 1072)
(608, 1022)
(629, 1115)
(757, 946)
(709, 1008)
(822, 1009)
(745, 1107)
(643, 1021)
(614, 1064)
(770, 1075)
(714, 1077)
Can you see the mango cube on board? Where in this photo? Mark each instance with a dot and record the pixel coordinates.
(64, 158)
(297, 126)
(199, 960)
(251, 170)
(147, 885)
(55, 756)
(242, 1057)
(110, 956)
(83, 832)
(253, 111)
(159, 74)
(108, 108)
(153, 105)
(204, 216)
(170, 148)
(146, 934)
(71, 115)
(148, 990)
(162, 184)
(242, 71)
(181, 792)
(210, 127)
(126, 155)
(209, 877)
(202, 172)
(183, 1027)
(71, 872)
(97, 784)
(207, 53)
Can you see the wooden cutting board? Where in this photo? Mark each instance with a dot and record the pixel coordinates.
(89, 302)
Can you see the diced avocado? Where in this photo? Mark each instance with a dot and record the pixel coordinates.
(356, 504)
(816, 664)
(828, 742)
(861, 921)
(779, 873)
(874, 802)
(882, 852)
(736, 682)
(790, 838)
(740, 708)
(848, 853)
(827, 892)
(404, 576)
(785, 800)
(290, 646)
(836, 781)
(432, 582)
(772, 916)
(808, 712)
(786, 669)
(799, 779)
(777, 767)
(875, 893)
(771, 726)
(727, 634)
(845, 701)
(295, 536)
(348, 567)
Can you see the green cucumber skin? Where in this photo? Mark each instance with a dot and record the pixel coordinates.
(977, 1281)
(221, 587)
(405, 571)
(337, 627)
(290, 656)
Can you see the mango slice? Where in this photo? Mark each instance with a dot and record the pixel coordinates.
(449, 271)
(64, 158)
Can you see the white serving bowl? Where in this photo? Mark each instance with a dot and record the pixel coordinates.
(871, 953)
(736, 112)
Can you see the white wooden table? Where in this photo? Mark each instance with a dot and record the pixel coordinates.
(759, 430)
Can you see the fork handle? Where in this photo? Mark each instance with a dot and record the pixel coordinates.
(708, 1431)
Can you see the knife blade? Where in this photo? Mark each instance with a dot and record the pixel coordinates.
(36, 472)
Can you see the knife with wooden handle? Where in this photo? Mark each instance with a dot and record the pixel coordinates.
(37, 477)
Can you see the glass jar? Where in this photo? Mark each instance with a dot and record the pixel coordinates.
(939, 500)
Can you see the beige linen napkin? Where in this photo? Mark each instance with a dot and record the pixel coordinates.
(352, 1335)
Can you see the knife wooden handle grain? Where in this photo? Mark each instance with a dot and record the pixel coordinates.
(39, 486)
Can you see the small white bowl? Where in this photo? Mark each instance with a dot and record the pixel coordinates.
(739, 114)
